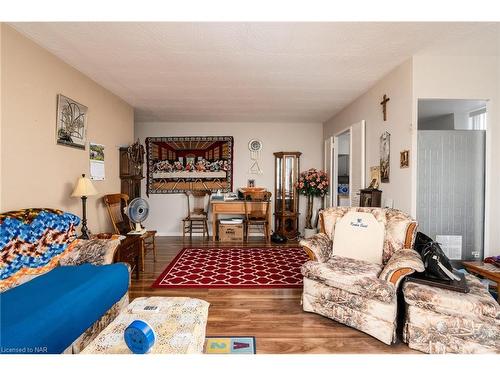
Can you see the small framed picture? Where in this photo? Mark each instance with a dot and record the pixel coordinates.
(404, 159)
(375, 177)
(251, 183)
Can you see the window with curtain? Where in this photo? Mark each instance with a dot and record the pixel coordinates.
(477, 119)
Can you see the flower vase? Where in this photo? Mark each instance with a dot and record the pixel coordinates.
(309, 230)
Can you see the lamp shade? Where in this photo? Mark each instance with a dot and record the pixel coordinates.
(84, 187)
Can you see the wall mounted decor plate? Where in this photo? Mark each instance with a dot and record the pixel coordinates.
(71, 128)
(178, 164)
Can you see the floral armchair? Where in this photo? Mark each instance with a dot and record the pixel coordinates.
(357, 262)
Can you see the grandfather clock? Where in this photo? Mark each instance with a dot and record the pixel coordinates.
(286, 198)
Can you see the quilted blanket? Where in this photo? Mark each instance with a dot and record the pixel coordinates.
(32, 241)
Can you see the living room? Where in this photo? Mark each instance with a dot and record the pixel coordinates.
(262, 187)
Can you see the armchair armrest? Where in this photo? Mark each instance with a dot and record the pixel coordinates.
(318, 247)
(95, 251)
(402, 263)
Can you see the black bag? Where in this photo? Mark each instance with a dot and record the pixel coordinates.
(276, 238)
(437, 265)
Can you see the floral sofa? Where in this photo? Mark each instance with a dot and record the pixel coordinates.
(56, 292)
(357, 263)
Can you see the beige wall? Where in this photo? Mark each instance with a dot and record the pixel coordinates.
(1, 155)
(167, 210)
(35, 171)
(467, 77)
(398, 86)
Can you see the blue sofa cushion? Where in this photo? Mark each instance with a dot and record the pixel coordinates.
(47, 314)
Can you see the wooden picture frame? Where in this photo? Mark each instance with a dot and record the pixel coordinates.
(404, 159)
(385, 156)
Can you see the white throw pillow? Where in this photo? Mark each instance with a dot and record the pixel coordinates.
(359, 235)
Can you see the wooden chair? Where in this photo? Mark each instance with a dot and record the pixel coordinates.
(122, 225)
(197, 216)
(258, 218)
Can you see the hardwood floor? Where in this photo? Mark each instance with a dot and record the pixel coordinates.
(274, 316)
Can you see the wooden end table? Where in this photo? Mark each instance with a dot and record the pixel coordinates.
(486, 270)
(129, 251)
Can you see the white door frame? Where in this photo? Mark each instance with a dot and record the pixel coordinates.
(362, 123)
(331, 157)
(328, 167)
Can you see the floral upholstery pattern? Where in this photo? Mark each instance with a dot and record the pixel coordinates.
(355, 276)
(351, 313)
(93, 251)
(354, 302)
(405, 258)
(477, 303)
(444, 321)
(359, 293)
(320, 245)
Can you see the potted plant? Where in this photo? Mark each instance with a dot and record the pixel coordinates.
(312, 183)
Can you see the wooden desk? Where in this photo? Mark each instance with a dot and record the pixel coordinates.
(487, 270)
(236, 207)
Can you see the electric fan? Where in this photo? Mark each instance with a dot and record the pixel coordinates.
(137, 211)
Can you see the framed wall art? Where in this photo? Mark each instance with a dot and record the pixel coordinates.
(385, 156)
(71, 127)
(374, 177)
(179, 164)
(404, 159)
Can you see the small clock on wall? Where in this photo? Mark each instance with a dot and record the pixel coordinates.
(255, 145)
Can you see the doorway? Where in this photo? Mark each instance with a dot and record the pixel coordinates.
(343, 169)
(451, 174)
(345, 166)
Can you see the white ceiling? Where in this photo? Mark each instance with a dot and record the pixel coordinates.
(287, 72)
(430, 108)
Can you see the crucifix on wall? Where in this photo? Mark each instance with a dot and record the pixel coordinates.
(383, 103)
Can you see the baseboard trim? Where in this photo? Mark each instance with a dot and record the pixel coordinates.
(179, 234)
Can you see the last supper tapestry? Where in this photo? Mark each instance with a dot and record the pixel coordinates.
(178, 164)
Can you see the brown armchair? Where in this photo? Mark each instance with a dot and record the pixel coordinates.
(121, 224)
(357, 263)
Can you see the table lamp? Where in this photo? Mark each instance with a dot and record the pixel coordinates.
(84, 189)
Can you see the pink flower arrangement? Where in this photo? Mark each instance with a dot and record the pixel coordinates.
(313, 182)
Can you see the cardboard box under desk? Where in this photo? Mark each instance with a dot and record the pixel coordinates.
(230, 232)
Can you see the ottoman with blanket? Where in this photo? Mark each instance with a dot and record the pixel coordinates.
(179, 326)
(57, 292)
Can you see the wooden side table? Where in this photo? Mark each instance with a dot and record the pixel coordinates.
(129, 251)
(147, 243)
(487, 270)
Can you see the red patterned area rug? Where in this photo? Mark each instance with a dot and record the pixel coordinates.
(234, 267)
